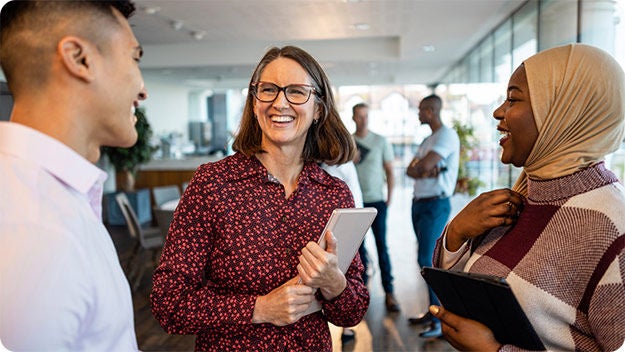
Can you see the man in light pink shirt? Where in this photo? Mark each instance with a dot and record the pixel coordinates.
(73, 70)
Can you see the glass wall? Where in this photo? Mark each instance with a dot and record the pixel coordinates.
(473, 88)
(538, 25)
(557, 23)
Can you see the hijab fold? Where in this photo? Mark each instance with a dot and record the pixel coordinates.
(577, 94)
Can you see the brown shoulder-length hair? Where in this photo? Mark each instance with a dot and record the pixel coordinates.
(327, 139)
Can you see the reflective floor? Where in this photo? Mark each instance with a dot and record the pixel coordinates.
(379, 331)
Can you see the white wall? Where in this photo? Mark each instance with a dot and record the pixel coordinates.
(167, 107)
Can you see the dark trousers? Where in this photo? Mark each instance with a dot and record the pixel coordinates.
(428, 221)
(378, 227)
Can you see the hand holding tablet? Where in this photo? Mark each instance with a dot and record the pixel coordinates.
(349, 227)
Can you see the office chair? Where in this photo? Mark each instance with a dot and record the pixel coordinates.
(164, 194)
(147, 240)
(163, 219)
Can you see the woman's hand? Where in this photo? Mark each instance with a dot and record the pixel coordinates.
(487, 211)
(284, 305)
(319, 268)
(465, 334)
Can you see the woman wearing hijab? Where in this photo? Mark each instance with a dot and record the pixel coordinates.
(241, 262)
(558, 236)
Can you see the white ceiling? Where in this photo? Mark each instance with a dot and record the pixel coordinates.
(238, 32)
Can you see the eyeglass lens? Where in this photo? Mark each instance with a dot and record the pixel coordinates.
(295, 93)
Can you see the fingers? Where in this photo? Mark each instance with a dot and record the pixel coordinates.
(331, 243)
(504, 195)
(294, 281)
(502, 204)
(316, 263)
(446, 317)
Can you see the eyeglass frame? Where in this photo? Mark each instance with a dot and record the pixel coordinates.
(254, 91)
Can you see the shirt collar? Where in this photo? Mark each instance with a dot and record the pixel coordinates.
(55, 157)
(311, 171)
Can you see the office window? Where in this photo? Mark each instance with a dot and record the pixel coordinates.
(474, 66)
(486, 52)
(524, 32)
(558, 23)
(503, 52)
(598, 23)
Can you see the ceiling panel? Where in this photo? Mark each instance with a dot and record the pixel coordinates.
(236, 33)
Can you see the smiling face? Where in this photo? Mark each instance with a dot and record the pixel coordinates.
(516, 121)
(121, 86)
(283, 123)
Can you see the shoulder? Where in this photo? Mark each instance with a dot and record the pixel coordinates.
(231, 168)
(329, 177)
(342, 171)
(448, 133)
(606, 202)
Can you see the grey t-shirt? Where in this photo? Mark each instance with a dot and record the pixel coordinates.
(374, 152)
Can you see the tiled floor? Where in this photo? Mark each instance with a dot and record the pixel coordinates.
(379, 331)
(383, 331)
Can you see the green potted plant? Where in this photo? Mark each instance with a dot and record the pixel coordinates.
(465, 184)
(126, 160)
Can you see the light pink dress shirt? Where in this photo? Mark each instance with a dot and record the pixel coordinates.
(62, 287)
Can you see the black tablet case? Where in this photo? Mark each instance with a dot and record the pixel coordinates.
(487, 299)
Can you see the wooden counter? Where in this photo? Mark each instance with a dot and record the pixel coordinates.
(165, 172)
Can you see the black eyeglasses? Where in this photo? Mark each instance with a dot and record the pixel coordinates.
(295, 93)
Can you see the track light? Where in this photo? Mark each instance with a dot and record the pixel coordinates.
(198, 35)
(176, 25)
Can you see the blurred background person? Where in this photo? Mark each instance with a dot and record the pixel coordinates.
(435, 171)
(374, 163)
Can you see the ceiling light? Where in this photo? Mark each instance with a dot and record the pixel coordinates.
(150, 10)
(198, 35)
(176, 25)
(429, 48)
(360, 26)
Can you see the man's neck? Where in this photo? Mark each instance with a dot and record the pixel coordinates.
(362, 133)
(58, 124)
(435, 125)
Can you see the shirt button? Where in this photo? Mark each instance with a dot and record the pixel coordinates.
(283, 219)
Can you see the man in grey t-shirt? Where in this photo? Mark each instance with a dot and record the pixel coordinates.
(374, 165)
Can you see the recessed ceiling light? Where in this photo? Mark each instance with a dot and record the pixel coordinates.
(198, 35)
(150, 10)
(360, 26)
(429, 48)
(176, 25)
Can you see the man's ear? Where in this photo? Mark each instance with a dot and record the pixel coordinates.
(77, 57)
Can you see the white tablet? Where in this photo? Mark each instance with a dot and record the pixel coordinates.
(349, 226)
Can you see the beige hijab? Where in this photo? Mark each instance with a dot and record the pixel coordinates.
(578, 98)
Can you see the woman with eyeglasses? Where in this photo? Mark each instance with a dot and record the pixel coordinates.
(241, 262)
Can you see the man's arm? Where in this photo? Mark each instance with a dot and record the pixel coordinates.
(424, 167)
(390, 181)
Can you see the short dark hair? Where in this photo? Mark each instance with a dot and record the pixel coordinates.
(359, 106)
(435, 98)
(327, 140)
(30, 30)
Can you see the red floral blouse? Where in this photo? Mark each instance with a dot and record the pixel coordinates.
(235, 237)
